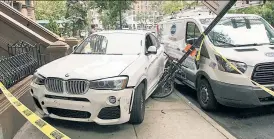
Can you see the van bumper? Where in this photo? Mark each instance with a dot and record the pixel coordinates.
(241, 96)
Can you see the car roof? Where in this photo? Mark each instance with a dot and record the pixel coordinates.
(198, 17)
(140, 32)
(227, 15)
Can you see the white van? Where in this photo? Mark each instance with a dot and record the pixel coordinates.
(245, 40)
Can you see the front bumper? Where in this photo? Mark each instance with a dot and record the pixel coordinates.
(93, 106)
(241, 96)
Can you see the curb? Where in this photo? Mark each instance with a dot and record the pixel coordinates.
(206, 117)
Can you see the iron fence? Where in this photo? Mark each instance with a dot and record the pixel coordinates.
(23, 60)
(25, 47)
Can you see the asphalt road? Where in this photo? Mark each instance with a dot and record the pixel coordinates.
(255, 123)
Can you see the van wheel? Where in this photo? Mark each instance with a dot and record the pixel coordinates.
(205, 96)
(138, 106)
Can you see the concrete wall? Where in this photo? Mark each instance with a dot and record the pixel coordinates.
(10, 119)
(9, 35)
(20, 18)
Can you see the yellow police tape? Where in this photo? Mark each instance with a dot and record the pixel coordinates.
(35, 120)
(235, 68)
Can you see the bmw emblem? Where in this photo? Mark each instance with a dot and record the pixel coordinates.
(269, 54)
(67, 75)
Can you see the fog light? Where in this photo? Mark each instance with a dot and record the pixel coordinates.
(112, 99)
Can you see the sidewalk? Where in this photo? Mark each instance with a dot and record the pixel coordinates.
(168, 118)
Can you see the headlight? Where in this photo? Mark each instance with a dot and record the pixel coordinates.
(115, 83)
(38, 79)
(224, 66)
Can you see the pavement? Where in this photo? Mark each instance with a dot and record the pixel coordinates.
(172, 117)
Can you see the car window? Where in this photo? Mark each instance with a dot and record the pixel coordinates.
(111, 43)
(148, 41)
(155, 41)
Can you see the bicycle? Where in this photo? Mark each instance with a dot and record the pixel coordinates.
(166, 83)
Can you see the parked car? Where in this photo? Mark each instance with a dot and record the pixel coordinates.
(105, 80)
(246, 40)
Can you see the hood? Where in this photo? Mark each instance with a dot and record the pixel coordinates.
(87, 66)
(249, 55)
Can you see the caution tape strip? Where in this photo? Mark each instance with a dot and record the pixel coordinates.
(235, 68)
(200, 48)
(34, 119)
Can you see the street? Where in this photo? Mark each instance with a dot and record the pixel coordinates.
(168, 118)
(255, 123)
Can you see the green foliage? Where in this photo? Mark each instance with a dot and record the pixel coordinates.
(46, 10)
(76, 13)
(52, 26)
(172, 6)
(111, 11)
(266, 11)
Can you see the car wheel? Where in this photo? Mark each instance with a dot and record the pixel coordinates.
(138, 106)
(205, 96)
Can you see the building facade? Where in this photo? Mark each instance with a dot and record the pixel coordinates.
(26, 7)
(143, 14)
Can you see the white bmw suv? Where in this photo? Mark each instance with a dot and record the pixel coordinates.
(105, 80)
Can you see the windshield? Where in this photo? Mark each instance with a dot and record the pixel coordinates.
(111, 44)
(240, 31)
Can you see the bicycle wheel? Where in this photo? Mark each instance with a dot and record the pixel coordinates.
(164, 91)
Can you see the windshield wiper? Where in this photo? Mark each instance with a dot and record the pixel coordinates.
(113, 54)
(226, 43)
(89, 53)
(252, 44)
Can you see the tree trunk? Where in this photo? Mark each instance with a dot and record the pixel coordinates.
(74, 31)
(120, 14)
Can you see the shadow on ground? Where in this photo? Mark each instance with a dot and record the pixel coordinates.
(228, 111)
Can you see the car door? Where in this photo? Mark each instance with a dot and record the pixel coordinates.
(192, 33)
(152, 64)
(160, 57)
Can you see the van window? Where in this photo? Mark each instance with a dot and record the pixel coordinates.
(240, 31)
(192, 33)
(154, 41)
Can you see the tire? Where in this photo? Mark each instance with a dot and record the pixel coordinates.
(138, 106)
(205, 96)
(163, 91)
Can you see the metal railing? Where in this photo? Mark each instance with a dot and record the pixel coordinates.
(25, 47)
(23, 60)
(16, 68)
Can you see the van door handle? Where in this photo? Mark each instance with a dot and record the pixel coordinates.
(178, 49)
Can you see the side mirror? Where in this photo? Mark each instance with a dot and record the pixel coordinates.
(152, 50)
(74, 47)
(191, 41)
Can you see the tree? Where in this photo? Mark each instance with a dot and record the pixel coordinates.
(53, 26)
(266, 11)
(142, 18)
(46, 10)
(76, 13)
(172, 6)
(112, 11)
